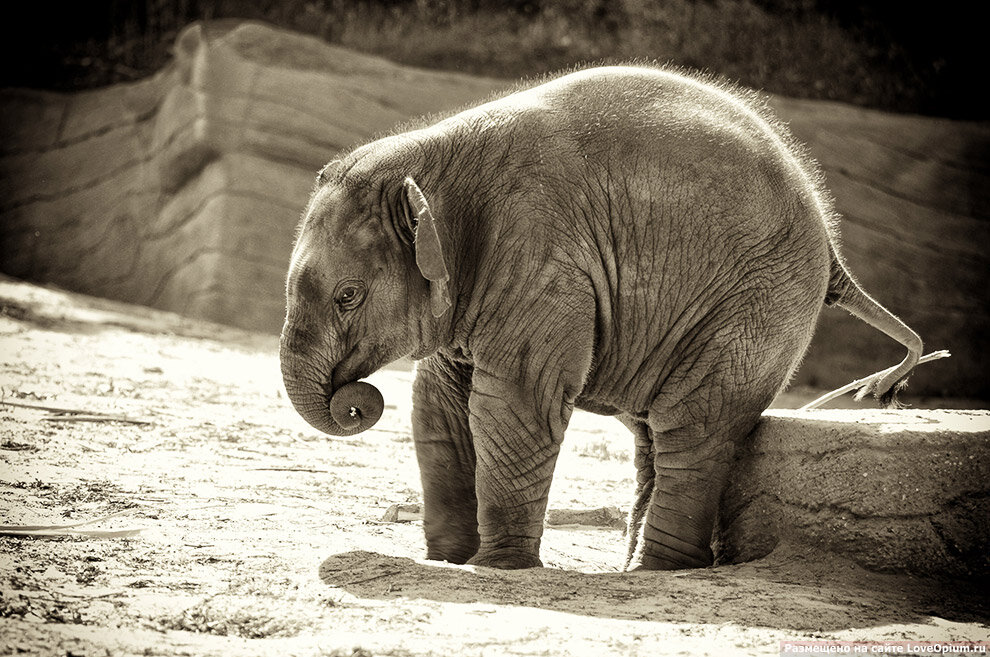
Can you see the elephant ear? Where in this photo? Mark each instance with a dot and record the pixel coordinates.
(429, 252)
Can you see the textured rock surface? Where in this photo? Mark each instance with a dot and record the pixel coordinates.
(896, 491)
(182, 191)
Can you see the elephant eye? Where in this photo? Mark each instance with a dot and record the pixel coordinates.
(350, 295)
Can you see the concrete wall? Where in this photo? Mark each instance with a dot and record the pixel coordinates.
(182, 191)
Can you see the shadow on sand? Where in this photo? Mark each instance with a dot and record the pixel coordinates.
(790, 589)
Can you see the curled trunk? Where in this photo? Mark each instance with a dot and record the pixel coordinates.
(347, 410)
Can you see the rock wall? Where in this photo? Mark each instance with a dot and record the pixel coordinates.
(182, 191)
(904, 491)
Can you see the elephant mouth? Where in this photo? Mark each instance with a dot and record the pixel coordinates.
(344, 373)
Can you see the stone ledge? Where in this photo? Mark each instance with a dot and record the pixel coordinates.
(897, 491)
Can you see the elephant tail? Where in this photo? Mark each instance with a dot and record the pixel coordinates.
(844, 292)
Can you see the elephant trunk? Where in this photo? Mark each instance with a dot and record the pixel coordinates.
(356, 406)
(349, 409)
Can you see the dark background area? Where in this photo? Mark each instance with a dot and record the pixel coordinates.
(884, 54)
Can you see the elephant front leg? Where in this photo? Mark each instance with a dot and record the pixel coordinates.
(446, 458)
(517, 439)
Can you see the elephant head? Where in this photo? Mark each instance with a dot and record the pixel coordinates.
(366, 281)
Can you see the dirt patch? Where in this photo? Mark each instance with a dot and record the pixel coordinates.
(260, 536)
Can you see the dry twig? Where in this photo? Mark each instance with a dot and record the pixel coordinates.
(50, 531)
(76, 414)
(859, 383)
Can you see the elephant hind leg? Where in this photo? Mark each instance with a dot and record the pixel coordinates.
(690, 467)
(677, 528)
(645, 475)
(694, 443)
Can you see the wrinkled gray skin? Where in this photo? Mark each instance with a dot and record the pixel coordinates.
(628, 241)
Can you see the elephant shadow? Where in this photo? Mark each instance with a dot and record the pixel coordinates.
(792, 589)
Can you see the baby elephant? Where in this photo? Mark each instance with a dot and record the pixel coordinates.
(631, 241)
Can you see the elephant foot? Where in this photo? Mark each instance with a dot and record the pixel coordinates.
(456, 555)
(506, 560)
(656, 556)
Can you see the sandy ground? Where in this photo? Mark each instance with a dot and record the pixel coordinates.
(255, 535)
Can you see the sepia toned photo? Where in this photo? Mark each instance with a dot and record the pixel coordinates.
(388, 328)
